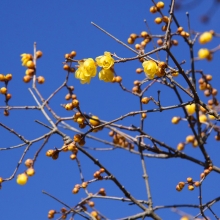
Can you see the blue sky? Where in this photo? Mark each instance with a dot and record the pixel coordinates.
(59, 27)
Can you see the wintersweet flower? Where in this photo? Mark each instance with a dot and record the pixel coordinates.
(150, 68)
(25, 58)
(191, 109)
(86, 70)
(205, 37)
(203, 53)
(106, 75)
(106, 61)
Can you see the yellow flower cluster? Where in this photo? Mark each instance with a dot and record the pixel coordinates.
(25, 58)
(150, 68)
(86, 70)
(106, 62)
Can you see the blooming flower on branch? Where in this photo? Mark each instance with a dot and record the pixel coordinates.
(86, 70)
(106, 75)
(150, 68)
(205, 37)
(191, 109)
(25, 58)
(106, 61)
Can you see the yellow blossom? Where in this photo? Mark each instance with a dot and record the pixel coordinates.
(150, 68)
(205, 37)
(202, 118)
(106, 61)
(203, 53)
(106, 75)
(191, 109)
(86, 70)
(25, 58)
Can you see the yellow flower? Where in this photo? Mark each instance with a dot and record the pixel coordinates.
(106, 61)
(203, 53)
(150, 68)
(202, 118)
(106, 75)
(205, 38)
(86, 70)
(191, 109)
(25, 58)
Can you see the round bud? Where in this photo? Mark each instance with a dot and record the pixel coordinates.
(40, 79)
(49, 153)
(162, 65)
(180, 146)
(27, 79)
(160, 42)
(153, 9)
(29, 163)
(84, 185)
(179, 29)
(91, 204)
(175, 120)
(77, 138)
(75, 190)
(183, 33)
(130, 40)
(214, 92)
(66, 67)
(118, 79)
(94, 121)
(29, 72)
(190, 139)
(202, 175)
(72, 156)
(68, 96)
(111, 133)
(197, 184)
(2, 78)
(190, 187)
(174, 42)
(8, 77)
(133, 36)
(8, 96)
(137, 46)
(30, 171)
(181, 184)
(206, 172)
(189, 180)
(94, 214)
(39, 54)
(158, 20)
(208, 77)
(144, 34)
(164, 28)
(6, 113)
(165, 19)
(75, 103)
(160, 5)
(145, 100)
(30, 64)
(139, 70)
(178, 188)
(3, 90)
(72, 70)
(102, 170)
(73, 54)
(143, 115)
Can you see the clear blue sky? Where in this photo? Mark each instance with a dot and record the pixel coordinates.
(59, 27)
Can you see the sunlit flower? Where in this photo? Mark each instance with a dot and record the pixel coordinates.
(203, 53)
(106, 75)
(191, 109)
(86, 70)
(25, 58)
(205, 38)
(106, 61)
(150, 68)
